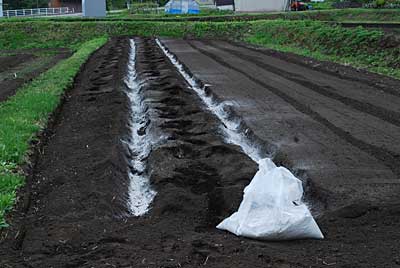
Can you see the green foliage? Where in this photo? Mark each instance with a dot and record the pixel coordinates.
(26, 113)
(20, 4)
(6, 201)
(358, 46)
(146, 7)
(9, 183)
(115, 4)
(322, 5)
(380, 3)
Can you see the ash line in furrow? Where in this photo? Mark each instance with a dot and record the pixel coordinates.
(236, 135)
(327, 91)
(388, 158)
(140, 144)
(232, 132)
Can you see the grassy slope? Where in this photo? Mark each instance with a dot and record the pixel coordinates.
(370, 49)
(26, 113)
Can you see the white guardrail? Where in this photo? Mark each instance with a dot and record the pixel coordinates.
(38, 12)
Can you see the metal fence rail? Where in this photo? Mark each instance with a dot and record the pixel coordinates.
(38, 12)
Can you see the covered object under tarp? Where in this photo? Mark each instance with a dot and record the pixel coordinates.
(182, 7)
(261, 5)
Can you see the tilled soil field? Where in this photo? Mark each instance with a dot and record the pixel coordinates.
(343, 131)
(75, 212)
(21, 66)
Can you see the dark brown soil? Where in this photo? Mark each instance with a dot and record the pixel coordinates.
(8, 62)
(21, 66)
(381, 82)
(327, 123)
(73, 211)
(76, 215)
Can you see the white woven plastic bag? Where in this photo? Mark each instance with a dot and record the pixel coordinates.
(272, 208)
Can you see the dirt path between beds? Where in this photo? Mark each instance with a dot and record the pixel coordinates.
(73, 211)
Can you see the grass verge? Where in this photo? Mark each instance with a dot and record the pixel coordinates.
(371, 49)
(24, 114)
(359, 47)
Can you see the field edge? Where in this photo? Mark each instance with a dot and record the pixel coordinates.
(26, 115)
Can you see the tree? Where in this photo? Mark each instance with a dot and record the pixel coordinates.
(20, 4)
(116, 4)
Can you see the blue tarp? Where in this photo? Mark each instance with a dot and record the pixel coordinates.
(182, 7)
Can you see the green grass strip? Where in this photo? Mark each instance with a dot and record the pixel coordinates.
(24, 114)
(358, 47)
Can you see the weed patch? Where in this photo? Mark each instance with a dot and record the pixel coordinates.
(359, 47)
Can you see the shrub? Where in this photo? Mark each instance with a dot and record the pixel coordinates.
(144, 8)
(380, 3)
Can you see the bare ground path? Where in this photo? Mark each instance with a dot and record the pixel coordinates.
(22, 65)
(73, 212)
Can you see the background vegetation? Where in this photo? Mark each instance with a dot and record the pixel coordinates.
(18, 4)
(371, 49)
(115, 4)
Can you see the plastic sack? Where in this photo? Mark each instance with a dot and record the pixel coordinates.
(272, 208)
